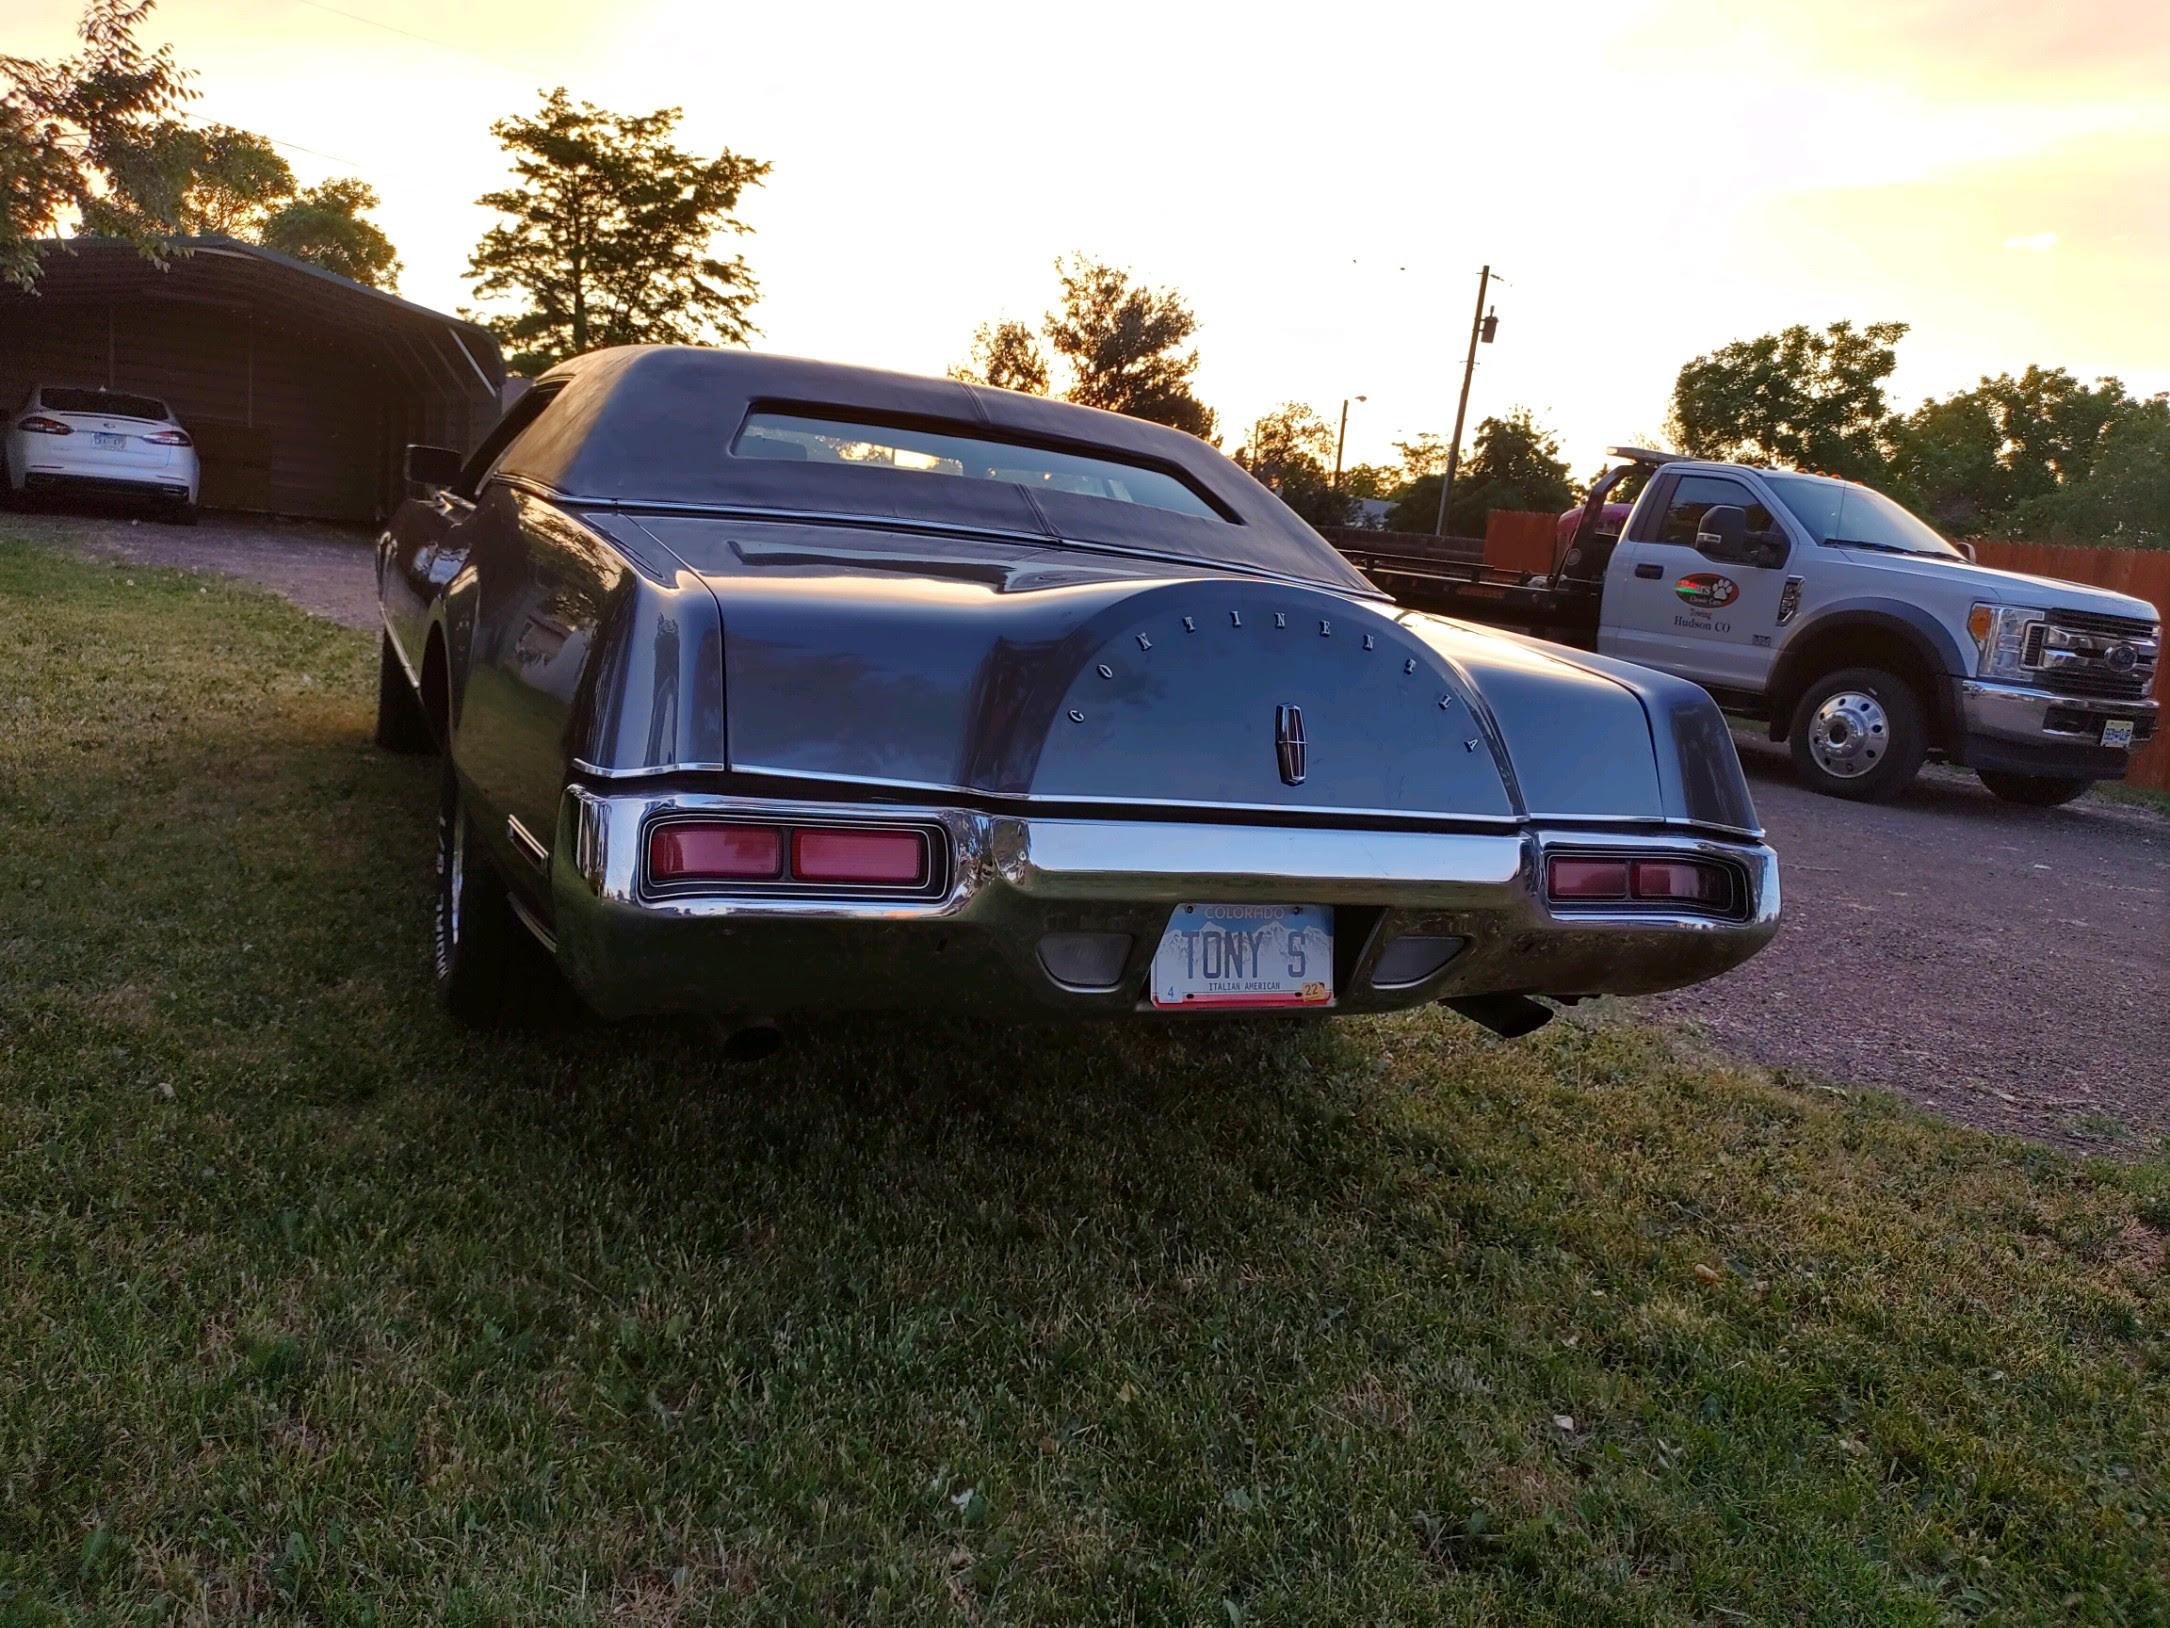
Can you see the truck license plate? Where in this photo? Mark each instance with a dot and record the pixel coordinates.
(1245, 955)
(2117, 732)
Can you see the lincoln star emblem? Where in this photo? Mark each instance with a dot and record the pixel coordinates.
(1288, 743)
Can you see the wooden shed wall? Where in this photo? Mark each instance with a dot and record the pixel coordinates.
(284, 422)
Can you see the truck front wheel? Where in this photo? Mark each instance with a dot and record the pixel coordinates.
(2035, 790)
(1859, 734)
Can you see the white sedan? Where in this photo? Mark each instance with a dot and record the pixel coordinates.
(104, 442)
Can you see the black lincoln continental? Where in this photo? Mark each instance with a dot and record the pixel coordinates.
(767, 686)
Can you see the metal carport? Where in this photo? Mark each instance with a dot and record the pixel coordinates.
(299, 385)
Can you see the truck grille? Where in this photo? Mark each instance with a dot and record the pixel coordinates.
(2119, 627)
(2096, 681)
(2089, 641)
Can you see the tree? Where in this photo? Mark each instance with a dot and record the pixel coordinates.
(91, 135)
(1006, 355)
(1514, 463)
(1945, 464)
(324, 226)
(1425, 454)
(609, 233)
(1977, 458)
(1369, 481)
(2124, 499)
(1288, 449)
(1124, 346)
(235, 181)
(1797, 398)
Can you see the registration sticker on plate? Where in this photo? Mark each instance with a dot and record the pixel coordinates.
(2117, 732)
(115, 442)
(1247, 955)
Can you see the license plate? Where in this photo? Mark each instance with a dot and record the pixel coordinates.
(2117, 732)
(1247, 955)
(117, 443)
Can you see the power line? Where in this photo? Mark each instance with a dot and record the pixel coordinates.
(276, 141)
(424, 39)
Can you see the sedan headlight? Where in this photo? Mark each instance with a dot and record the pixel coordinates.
(2000, 637)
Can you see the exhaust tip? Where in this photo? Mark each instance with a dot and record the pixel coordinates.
(752, 1042)
(1508, 1016)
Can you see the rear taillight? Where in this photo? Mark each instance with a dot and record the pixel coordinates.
(1587, 878)
(1592, 879)
(817, 855)
(890, 858)
(715, 853)
(1683, 881)
(39, 424)
(169, 438)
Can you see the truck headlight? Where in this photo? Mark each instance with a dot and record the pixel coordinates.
(2000, 637)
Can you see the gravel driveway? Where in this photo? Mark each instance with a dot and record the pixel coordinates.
(2005, 966)
(2008, 967)
(327, 569)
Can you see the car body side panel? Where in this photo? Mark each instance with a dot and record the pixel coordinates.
(1697, 770)
(568, 649)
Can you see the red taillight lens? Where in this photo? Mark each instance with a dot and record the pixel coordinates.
(169, 438)
(39, 424)
(1569, 878)
(1683, 881)
(715, 853)
(895, 858)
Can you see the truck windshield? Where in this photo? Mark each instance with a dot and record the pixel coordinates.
(1841, 512)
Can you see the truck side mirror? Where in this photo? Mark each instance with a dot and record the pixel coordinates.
(431, 466)
(1966, 551)
(1722, 533)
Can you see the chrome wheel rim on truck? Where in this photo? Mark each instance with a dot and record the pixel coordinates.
(1849, 734)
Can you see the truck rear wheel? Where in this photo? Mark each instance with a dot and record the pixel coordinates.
(2034, 790)
(1859, 734)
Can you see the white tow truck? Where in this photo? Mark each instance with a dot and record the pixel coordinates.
(1824, 609)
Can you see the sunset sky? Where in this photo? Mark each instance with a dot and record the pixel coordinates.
(1322, 182)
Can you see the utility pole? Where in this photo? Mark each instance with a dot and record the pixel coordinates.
(1477, 327)
(1342, 439)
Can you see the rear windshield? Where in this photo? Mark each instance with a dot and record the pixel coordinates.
(805, 438)
(111, 403)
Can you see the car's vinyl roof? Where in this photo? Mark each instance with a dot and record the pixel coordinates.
(655, 425)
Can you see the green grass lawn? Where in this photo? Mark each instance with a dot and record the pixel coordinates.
(315, 1309)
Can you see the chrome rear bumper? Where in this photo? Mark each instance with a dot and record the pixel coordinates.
(973, 942)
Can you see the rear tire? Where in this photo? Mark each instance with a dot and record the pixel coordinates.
(479, 944)
(180, 514)
(1859, 734)
(2033, 790)
(402, 725)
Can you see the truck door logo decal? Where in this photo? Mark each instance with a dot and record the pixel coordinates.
(1706, 590)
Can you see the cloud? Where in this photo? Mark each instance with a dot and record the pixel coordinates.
(2036, 242)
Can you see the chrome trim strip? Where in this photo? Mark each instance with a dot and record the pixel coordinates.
(524, 840)
(650, 771)
(1027, 800)
(533, 923)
